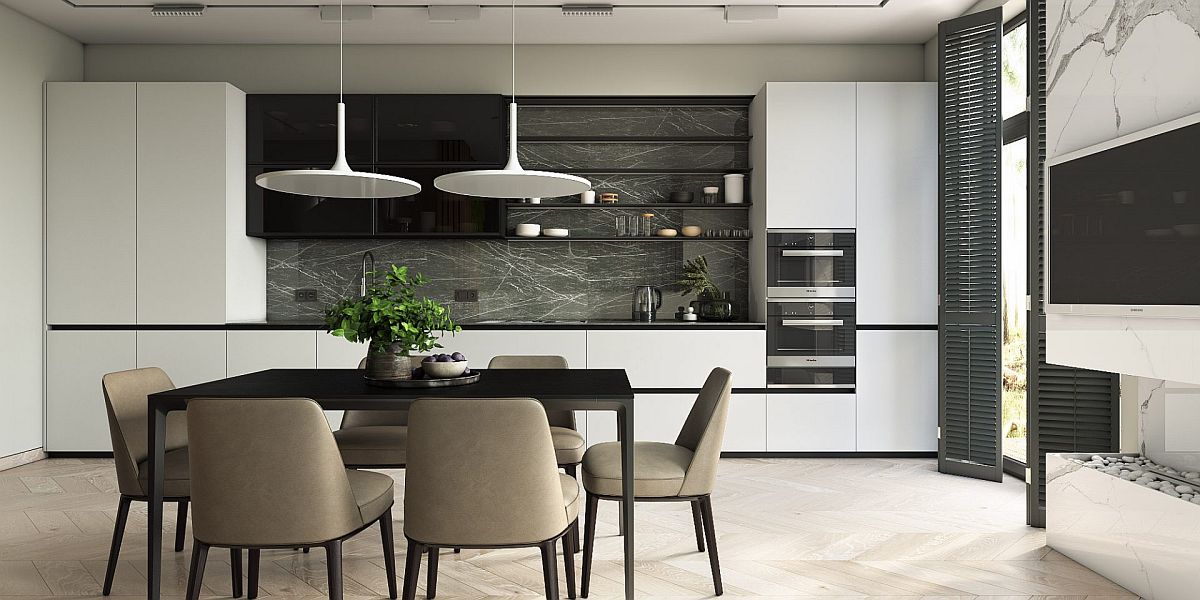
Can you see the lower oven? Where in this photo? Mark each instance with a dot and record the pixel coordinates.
(810, 344)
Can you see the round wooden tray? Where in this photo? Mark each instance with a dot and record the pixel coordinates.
(425, 383)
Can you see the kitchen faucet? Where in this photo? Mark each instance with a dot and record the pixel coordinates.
(367, 258)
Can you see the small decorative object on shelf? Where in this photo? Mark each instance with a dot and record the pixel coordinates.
(681, 197)
(609, 198)
(685, 314)
(711, 194)
(393, 321)
(711, 304)
(588, 197)
(691, 231)
(668, 232)
(647, 228)
(733, 188)
(535, 200)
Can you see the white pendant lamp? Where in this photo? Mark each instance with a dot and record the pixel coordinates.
(512, 181)
(338, 181)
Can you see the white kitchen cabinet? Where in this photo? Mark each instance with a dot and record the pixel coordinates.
(746, 429)
(188, 356)
(680, 358)
(897, 391)
(481, 345)
(660, 417)
(76, 420)
(897, 203)
(195, 263)
(808, 170)
(338, 353)
(248, 351)
(810, 423)
(90, 203)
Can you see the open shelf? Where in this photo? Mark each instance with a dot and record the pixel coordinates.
(640, 238)
(631, 206)
(634, 139)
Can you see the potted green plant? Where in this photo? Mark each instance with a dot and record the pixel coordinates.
(393, 320)
(711, 303)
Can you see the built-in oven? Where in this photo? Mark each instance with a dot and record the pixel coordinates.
(810, 344)
(810, 263)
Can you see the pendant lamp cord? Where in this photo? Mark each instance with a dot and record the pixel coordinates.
(514, 50)
(341, 21)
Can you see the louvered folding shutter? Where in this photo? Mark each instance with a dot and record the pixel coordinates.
(969, 181)
(1070, 410)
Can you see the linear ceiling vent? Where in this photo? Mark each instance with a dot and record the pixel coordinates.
(332, 13)
(587, 10)
(444, 13)
(177, 10)
(749, 13)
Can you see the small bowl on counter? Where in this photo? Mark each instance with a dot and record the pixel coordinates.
(528, 230)
(444, 370)
(556, 232)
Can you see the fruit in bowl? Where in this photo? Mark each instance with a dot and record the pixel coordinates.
(443, 366)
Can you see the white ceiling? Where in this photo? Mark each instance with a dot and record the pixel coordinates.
(538, 22)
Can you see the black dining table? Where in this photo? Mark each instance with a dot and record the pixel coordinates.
(346, 389)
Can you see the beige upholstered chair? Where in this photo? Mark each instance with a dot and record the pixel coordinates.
(266, 473)
(568, 442)
(373, 439)
(125, 400)
(482, 474)
(681, 472)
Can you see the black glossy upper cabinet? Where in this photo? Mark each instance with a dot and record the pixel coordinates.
(293, 129)
(467, 129)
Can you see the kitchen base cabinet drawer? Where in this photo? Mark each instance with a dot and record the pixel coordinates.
(76, 420)
(680, 358)
(660, 417)
(188, 357)
(481, 345)
(251, 351)
(746, 429)
(897, 391)
(811, 422)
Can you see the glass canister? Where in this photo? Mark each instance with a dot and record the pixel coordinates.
(712, 194)
(647, 228)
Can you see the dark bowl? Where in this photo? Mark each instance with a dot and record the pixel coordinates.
(681, 197)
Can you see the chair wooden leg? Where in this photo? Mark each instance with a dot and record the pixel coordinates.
(589, 543)
(550, 568)
(710, 536)
(333, 566)
(389, 551)
(412, 570)
(235, 563)
(573, 471)
(181, 525)
(252, 573)
(114, 550)
(698, 523)
(431, 581)
(569, 544)
(306, 549)
(196, 572)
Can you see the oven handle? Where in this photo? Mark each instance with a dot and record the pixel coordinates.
(789, 253)
(812, 322)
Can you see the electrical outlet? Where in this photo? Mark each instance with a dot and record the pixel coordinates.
(306, 295)
(466, 295)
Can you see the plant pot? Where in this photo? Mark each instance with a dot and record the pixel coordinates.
(390, 365)
(710, 308)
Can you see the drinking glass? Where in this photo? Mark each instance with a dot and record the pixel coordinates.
(620, 226)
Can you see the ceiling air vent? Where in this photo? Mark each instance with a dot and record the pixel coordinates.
(177, 10)
(587, 10)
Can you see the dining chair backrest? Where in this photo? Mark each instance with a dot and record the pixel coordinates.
(266, 472)
(128, 409)
(481, 472)
(364, 418)
(557, 418)
(703, 432)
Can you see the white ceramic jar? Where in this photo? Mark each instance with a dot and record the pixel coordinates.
(734, 188)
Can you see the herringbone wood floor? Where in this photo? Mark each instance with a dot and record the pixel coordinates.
(787, 528)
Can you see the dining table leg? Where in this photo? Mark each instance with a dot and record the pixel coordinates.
(625, 417)
(156, 432)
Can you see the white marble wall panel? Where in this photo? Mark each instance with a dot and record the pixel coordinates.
(1116, 67)
(1142, 539)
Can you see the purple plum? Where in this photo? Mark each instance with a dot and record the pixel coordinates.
(443, 358)
(458, 357)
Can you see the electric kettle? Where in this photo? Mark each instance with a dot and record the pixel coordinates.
(647, 299)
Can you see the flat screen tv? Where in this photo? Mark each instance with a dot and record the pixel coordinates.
(1123, 224)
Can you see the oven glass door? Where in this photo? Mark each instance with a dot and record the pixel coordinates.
(815, 267)
(811, 328)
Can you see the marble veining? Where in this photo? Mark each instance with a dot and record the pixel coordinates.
(515, 280)
(649, 188)
(634, 155)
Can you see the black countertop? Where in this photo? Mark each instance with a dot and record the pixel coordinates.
(537, 324)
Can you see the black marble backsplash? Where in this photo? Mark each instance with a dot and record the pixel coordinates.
(515, 279)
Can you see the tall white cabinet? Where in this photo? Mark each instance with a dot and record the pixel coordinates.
(146, 206)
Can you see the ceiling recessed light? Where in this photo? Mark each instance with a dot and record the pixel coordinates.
(177, 10)
(587, 10)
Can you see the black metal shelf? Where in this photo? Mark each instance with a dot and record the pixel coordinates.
(555, 139)
(632, 206)
(603, 171)
(640, 238)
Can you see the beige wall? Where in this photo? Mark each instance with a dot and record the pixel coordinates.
(550, 70)
(29, 55)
